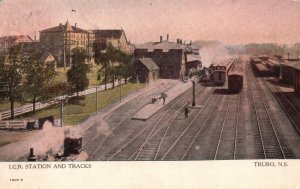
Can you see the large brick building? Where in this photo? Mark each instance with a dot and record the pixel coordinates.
(173, 59)
(116, 37)
(168, 56)
(61, 39)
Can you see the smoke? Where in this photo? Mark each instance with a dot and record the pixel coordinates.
(51, 139)
(213, 54)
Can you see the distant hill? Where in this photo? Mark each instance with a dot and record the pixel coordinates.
(204, 43)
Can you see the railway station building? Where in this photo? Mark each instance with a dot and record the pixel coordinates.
(169, 57)
(296, 68)
(172, 58)
(146, 70)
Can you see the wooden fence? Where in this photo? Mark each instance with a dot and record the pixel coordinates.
(22, 124)
(39, 105)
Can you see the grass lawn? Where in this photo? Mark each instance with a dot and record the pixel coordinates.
(60, 77)
(76, 113)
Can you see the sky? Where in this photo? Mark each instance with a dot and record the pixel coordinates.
(229, 21)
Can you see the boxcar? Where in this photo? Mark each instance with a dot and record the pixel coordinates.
(235, 81)
(235, 77)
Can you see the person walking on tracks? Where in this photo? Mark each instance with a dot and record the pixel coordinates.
(164, 96)
(186, 111)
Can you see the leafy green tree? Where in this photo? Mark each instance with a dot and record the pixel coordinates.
(107, 58)
(37, 76)
(11, 76)
(115, 64)
(124, 68)
(77, 74)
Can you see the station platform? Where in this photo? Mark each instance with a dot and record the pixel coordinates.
(150, 109)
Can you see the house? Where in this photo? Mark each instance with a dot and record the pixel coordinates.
(116, 37)
(168, 56)
(146, 70)
(8, 41)
(48, 58)
(61, 39)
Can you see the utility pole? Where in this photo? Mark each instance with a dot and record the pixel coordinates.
(120, 83)
(61, 113)
(194, 86)
(96, 98)
(64, 51)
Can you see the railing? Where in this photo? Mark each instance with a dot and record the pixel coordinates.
(22, 124)
(39, 105)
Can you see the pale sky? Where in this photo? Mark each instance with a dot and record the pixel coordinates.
(230, 21)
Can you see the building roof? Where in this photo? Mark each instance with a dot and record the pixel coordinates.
(165, 46)
(296, 65)
(16, 39)
(149, 63)
(45, 56)
(65, 28)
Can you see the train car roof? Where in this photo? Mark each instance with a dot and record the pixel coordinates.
(236, 72)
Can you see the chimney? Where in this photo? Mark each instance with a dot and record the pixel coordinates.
(190, 42)
(75, 25)
(161, 38)
(168, 37)
(178, 41)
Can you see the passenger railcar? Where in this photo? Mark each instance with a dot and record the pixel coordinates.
(221, 70)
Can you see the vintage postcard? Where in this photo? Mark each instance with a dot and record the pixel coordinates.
(150, 93)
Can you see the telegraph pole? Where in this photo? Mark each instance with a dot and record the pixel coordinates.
(96, 98)
(61, 113)
(194, 86)
(120, 83)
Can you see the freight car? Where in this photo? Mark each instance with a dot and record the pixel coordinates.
(235, 78)
(221, 70)
(261, 70)
(274, 67)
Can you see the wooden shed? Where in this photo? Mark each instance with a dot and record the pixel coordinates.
(146, 70)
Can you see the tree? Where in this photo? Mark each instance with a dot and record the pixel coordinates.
(107, 58)
(37, 76)
(11, 76)
(124, 68)
(77, 74)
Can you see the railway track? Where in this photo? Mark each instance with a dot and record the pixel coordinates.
(269, 140)
(291, 111)
(182, 144)
(132, 149)
(226, 148)
(133, 128)
(129, 107)
(166, 139)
